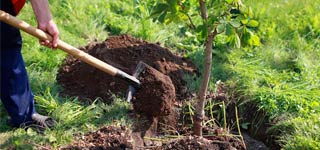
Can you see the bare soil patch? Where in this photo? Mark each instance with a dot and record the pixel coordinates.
(106, 138)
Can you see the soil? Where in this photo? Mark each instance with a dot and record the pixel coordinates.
(156, 95)
(253, 144)
(198, 143)
(115, 138)
(106, 138)
(121, 138)
(123, 52)
(156, 105)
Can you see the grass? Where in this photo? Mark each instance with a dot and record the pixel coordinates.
(281, 77)
(73, 116)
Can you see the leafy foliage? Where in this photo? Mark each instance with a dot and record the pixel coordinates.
(228, 17)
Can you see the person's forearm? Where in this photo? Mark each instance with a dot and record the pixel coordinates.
(41, 10)
(45, 22)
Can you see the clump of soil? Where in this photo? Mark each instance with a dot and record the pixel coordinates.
(123, 52)
(106, 138)
(156, 95)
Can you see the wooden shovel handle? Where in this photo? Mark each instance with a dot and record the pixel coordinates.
(9, 19)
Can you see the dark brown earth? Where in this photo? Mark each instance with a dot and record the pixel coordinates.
(154, 105)
(121, 138)
(123, 52)
(115, 138)
(106, 138)
(156, 95)
(198, 143)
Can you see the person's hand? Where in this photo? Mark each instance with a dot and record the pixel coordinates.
(45, 22)
(51, 28)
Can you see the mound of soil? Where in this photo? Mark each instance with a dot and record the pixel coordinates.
(123, 52)
(156, 95)
(106, 138)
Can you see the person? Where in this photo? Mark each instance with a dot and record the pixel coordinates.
(16, 94)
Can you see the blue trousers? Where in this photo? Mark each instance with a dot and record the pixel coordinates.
(16, 94)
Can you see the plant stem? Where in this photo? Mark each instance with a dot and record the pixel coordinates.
(191, 22)
(238, 126)
(200, 102)
(224, 116)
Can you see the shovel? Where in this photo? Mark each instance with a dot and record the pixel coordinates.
(134, 83)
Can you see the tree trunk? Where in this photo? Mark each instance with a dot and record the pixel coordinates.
(200, 101)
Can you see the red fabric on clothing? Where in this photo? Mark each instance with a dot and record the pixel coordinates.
(18, 4)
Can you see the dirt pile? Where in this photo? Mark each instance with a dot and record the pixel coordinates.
(123, 52)
(156, 95)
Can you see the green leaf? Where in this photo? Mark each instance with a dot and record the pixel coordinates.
(158, 9)
(171, 18)
(162, 17)
(201, 28)
(229, 1)
(204, 34)
(250, 12)
(235, 23)
(229, 30)
(234, 40)
(244, 21)
(17, 142)
(173, 5)
(52, 139)
(237, 41)
(142, 9)
(250, 38)
(182, 16)
(212, 20)
(172, 2)
(189, 34)
(221, 28)
(245, 34)
(254, 40)
(253, 23)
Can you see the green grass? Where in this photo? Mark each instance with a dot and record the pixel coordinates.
(73, 116)
(282, 76)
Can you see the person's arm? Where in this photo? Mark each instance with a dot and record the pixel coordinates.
(45, 22)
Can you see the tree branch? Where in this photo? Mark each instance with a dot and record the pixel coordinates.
(192, 26)
(201, 99)
(203, 9)
(191, 22)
